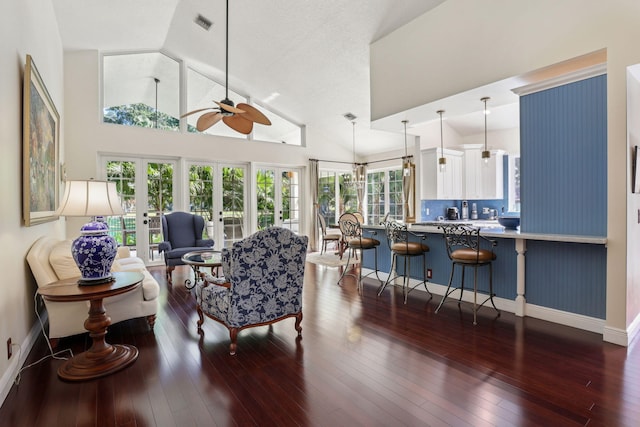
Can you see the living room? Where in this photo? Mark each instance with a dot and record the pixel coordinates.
(573, 28)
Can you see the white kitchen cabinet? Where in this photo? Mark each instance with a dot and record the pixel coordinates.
(439, 185)
(483, 181)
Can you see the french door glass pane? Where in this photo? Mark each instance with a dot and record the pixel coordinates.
(327, 196)
(375, 197)
(123, 228)
(265, 181)
(290, 200)
(159, 201)
(233, 204)
(395, 195)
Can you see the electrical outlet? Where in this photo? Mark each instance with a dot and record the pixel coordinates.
(9, 349)
(429, 273)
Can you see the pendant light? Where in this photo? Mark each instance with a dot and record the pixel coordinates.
(486, 154)
(408, 182)
(442, 161)
(406, 168)
(358, 169)
(157, 80)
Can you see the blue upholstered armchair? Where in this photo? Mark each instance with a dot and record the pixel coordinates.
(263, 276)
(182, 232)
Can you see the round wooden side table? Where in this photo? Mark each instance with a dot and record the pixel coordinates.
(102, 358)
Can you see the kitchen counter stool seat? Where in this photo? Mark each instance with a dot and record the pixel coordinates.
(400, 246)
(351, 230)
(463, 247)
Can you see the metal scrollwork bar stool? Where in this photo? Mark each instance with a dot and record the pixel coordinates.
(400, 246)
(351, 230)
(463, 247)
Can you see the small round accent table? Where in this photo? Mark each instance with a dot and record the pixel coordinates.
(203, 258)
(102, 358)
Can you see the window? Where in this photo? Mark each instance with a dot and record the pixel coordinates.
(281, 131)
(514, 183)
(396, 200)
(141, 90)
(384, 194)
(375, 197)
(336, 195)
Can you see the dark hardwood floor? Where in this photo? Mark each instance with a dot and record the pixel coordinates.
(362, 361)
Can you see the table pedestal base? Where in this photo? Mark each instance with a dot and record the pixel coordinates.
(88, 365)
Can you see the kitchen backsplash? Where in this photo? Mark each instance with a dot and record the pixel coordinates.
(438, 208)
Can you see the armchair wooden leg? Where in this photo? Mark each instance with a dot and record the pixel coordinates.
(200, 317)
(53, 342)
(151, 320)
(298, 321)
(233, 334)
(170, 269)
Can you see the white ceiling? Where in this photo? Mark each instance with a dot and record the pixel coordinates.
(315, 54)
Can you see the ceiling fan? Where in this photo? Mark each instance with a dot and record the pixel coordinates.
(239, 118)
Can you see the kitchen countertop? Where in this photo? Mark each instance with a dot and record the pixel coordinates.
(491, 228)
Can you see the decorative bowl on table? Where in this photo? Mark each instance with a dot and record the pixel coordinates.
(509, 222)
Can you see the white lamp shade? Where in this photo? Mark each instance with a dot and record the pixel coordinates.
(90, 198)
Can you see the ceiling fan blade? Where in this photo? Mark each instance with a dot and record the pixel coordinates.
(238, 123)
(207, 120)
(229, 108)
(255, 115)
(196, 111)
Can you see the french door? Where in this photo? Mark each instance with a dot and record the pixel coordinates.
(278, 197)
(218, 193)
(147, 190)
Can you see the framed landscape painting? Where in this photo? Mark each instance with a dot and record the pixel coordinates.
(40, 140)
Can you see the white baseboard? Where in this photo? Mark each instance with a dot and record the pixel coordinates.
(573, 320)
(9, 376)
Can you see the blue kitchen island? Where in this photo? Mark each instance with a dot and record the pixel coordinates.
(560, 278)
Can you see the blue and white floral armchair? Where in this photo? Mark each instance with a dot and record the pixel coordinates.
(263, 276)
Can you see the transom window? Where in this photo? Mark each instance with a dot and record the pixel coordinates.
(143, 89)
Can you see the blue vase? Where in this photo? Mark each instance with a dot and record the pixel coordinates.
(94, 252)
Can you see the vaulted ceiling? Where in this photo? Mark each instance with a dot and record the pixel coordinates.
(314, 54)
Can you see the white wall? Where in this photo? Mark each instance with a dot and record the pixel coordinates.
(26, 27)
(497, 39)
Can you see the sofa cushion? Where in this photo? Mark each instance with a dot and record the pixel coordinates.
(62, 261)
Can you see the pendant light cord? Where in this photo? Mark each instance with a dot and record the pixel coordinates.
(406, 154)
(354, 143)
(226, 70)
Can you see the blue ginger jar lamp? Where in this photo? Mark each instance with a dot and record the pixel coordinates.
(95, 250)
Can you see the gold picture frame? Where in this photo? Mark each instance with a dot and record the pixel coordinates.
(40, 141)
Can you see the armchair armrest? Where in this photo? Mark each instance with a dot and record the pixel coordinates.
(164, 246)
(208, 279)
(204, 243)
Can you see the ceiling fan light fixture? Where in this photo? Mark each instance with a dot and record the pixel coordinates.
(239, 119)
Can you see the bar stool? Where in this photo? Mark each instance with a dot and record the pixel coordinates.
(400, 246)
(351, 231)
(463, 248)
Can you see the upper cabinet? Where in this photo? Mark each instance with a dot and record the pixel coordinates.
(437, 184)
(483, 180)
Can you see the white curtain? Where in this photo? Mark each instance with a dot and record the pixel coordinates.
(314, 178)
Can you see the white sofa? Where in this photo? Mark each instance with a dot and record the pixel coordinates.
(50, 260)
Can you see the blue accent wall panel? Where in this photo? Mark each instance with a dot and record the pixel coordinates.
(567, 276)
(563, 164)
